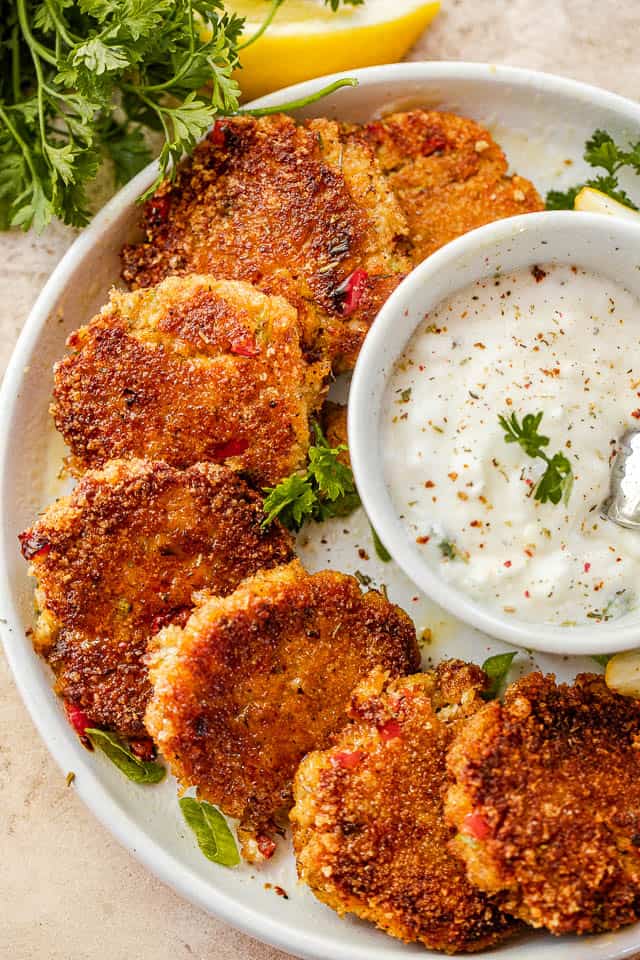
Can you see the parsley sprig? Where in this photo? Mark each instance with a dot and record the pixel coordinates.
(601, 152)
(556, 482)
(82, 80)
(325, 489)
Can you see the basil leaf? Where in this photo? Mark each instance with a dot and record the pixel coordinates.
(381, 550)
(497, 668)
(211, 830)
(140, 771)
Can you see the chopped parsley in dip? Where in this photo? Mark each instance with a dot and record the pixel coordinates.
(518, 388)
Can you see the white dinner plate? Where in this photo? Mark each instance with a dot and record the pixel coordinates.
(542, 122)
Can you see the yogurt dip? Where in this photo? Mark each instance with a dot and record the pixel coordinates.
(554, 340)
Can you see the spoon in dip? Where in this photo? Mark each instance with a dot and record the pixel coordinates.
(623, 503)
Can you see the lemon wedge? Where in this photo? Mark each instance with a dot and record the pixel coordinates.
(307, 39)
(623, 674)
(594, 201)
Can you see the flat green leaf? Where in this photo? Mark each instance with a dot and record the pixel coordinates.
(602, 658)
(140, 771)
(211, 831)
(497, 668)
(381, 551)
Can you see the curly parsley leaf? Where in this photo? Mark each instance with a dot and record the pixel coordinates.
(326, 489)
(562, 199)
(140, 771)
(85, 79)
(211, 831)
(556, 483)
(525, 433)
(496, 668)
(601, 152)
(127, 148)
(293, 502)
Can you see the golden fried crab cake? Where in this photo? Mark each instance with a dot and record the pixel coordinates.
(193, 369)
(547, 803)
(254, 681)
(289, 208)
(120, 557)
(448, 174)
(368, 821)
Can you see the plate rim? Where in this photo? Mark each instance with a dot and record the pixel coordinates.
(46, 714)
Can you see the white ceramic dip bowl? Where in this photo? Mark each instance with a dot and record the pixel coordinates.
(598, 244)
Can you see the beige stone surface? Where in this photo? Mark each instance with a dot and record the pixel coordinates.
(68, 891)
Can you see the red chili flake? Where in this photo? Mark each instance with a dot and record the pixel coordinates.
(429, 484)
(33, 545)
(245, 346)
(423, 539)
(390, 730)
(143, 747)
(349, 759)
(266, 846)
(528, 552)
(79, 721)
(218, 133)
(527, 594)
(507, 563)
(232, 448)
(476, 825)
(432, 144)
(587, 567)
(636, 414)
(157, 211)
(353, 289)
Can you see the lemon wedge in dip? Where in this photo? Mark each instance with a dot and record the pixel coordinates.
(594, 201)
(307, 39)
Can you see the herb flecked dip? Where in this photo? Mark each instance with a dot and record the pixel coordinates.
(508, 508)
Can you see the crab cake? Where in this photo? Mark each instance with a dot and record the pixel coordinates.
(193, 369)
(120, 558)
(448, 174)
(301, 211)
(369, 829)
(547, 803)
(255, 680)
